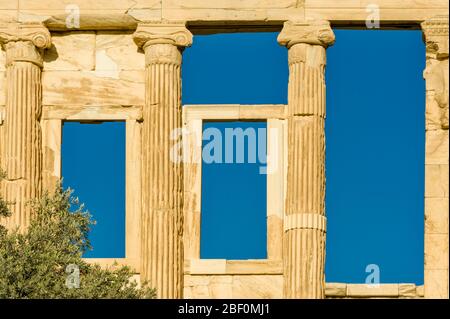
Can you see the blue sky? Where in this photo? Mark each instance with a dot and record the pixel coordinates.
(375, 155)
(375, 152)
(93, 164)
(233, 224)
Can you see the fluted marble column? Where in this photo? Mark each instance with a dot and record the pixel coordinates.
(21, 156)
(436, 74)
(304, 220)
(162, 178)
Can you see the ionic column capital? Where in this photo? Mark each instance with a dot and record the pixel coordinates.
(24, 42)
(162, 33)
(317, 32)
(435, 32)
(162, 41)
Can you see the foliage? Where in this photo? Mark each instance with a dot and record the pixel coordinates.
(4, 211)
(33, 264)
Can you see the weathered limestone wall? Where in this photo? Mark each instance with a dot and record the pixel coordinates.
(233, 286)
(385, 291)
(271, 286)
(93, 68)
(436, 76)
(90, 71)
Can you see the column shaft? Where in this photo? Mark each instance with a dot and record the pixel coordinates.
(162, 178)
(22, 152)
(305, 223)
(162, 174)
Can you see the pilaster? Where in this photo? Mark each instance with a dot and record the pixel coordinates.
(436, 74)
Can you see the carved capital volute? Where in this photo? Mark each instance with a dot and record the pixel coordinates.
(24, 42)
(435, 33)
(308, 32)
(162, 41)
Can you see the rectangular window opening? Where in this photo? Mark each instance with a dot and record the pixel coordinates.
(375, 160)
(252, 69)
(234, 209)
(93, 165)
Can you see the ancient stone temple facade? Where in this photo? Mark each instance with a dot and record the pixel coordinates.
(115, 60)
